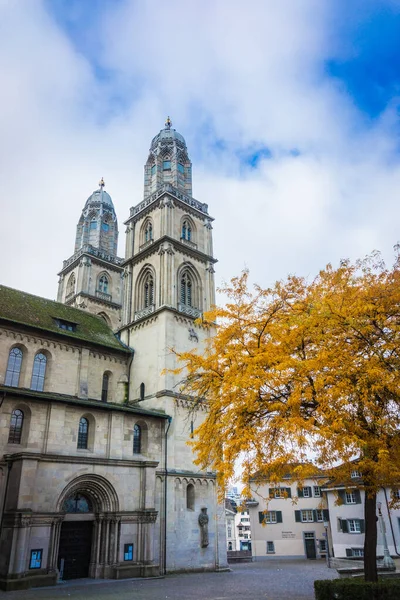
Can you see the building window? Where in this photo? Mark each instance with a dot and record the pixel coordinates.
(355, 474)
(166, 165)
(137, 439)
(186, 290)
(77, 504)
(148, 291)
(103, 284)
(358, 552)
(66, 325)
(279, 493)
(350, 498)
(128, 551)
(230, 546)
(105, 226)
(317, 491)
(181, 168)
(83, 433)
(93, 224)
(396, 494)
(71, 284)
(148, 232)
(322, 545)
(306, 492)
(320, 516)
(104, 387)
(16, 422)
(190, 496)
(38, 372)
(354, 526)
(307, 516)
(36, 559)
(270, 516)
(153, 169)
(14, 367)
(142, 391)
(186, 231)
(270, 548)
(229, 532)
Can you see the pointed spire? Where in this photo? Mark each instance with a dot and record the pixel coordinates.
(168, 123)
(101, 183)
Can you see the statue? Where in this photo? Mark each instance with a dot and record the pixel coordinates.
(203, 522)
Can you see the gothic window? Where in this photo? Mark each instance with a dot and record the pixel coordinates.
(14, 367)
(186, 290)
(93, 224)
(181, 168)
(137, 439)
(148, 291)
(186, 230)
(71, 284)
(190, 496)
(15, 433)
(39, 372)
(105, 226)
(103, 284)
(142, 391)
(77, 504)
(83, 433)
(104, 387)
(166, 165)
(153, 169)
(148, 232)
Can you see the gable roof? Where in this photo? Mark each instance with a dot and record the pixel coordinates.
(33, 311)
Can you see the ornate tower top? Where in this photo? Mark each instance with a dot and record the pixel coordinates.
(98, 226)
(168, 162)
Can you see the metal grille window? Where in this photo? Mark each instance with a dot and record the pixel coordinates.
(270, 548)
(83, 433)
(186, 290)
(137, 439)
(104, 387)
(39, 372)
(322, 545)
(103, 284)
(14, 367)
(15, 433)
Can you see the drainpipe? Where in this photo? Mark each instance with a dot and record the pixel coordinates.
(390, 521)
(165, 493)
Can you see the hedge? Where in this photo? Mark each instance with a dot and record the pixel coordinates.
(357, 589)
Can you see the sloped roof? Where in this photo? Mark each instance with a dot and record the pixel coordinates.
(33, 311)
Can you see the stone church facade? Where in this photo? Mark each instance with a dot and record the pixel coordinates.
(96, 477)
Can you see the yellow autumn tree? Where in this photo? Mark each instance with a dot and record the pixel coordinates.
(305, 369)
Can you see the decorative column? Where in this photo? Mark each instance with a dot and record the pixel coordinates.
(22, 544)
(54, 544)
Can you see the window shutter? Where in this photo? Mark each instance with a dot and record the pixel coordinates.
(300, 492)
(349, 552)
(279, 516)
(289, 492)
(358, 496)
(325, 512)
(271, 492)
(362, 525)
(342, 496)
(297, 516)
(261, 517)
(314, 514)
(344, 525)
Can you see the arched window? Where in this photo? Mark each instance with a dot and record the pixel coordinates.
(190, 496)
(15, 433)
(148, 291)
(137, 439)
(104, 387)
(71, 284)
(83, 433)
(186, 289)
(103, 284)
(186, 231)
(148, 232)
(77, 504)
(14, 367)
(38, 372)
(142, 390)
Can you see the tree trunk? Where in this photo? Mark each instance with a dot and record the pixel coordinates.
(371, 534)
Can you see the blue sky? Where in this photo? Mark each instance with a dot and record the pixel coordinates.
(290, 112)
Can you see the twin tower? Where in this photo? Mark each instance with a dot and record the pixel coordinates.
(153, 296)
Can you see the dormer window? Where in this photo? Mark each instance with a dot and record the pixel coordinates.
(166, 165)
(66, 325)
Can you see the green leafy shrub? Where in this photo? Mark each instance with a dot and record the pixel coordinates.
(357, 589)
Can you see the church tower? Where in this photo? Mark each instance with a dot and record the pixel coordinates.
(169, 283)
(91, 279)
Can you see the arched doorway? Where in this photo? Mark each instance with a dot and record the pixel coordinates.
(76, 535)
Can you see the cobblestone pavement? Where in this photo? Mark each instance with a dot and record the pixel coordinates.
(266, 580)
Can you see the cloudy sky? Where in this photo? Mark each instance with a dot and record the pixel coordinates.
(290, 110)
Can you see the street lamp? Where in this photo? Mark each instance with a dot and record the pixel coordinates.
(326, 525)
(388, 562)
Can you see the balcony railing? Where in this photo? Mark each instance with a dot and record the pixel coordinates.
(103, 296)
(144, 312)
(189, 310)
(146, 245)
(189, 243)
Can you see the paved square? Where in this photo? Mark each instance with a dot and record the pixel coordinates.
(267, 580)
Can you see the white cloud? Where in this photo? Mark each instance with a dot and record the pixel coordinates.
(248, 78)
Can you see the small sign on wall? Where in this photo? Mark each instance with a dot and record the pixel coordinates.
(36, 559)
(288, 535)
